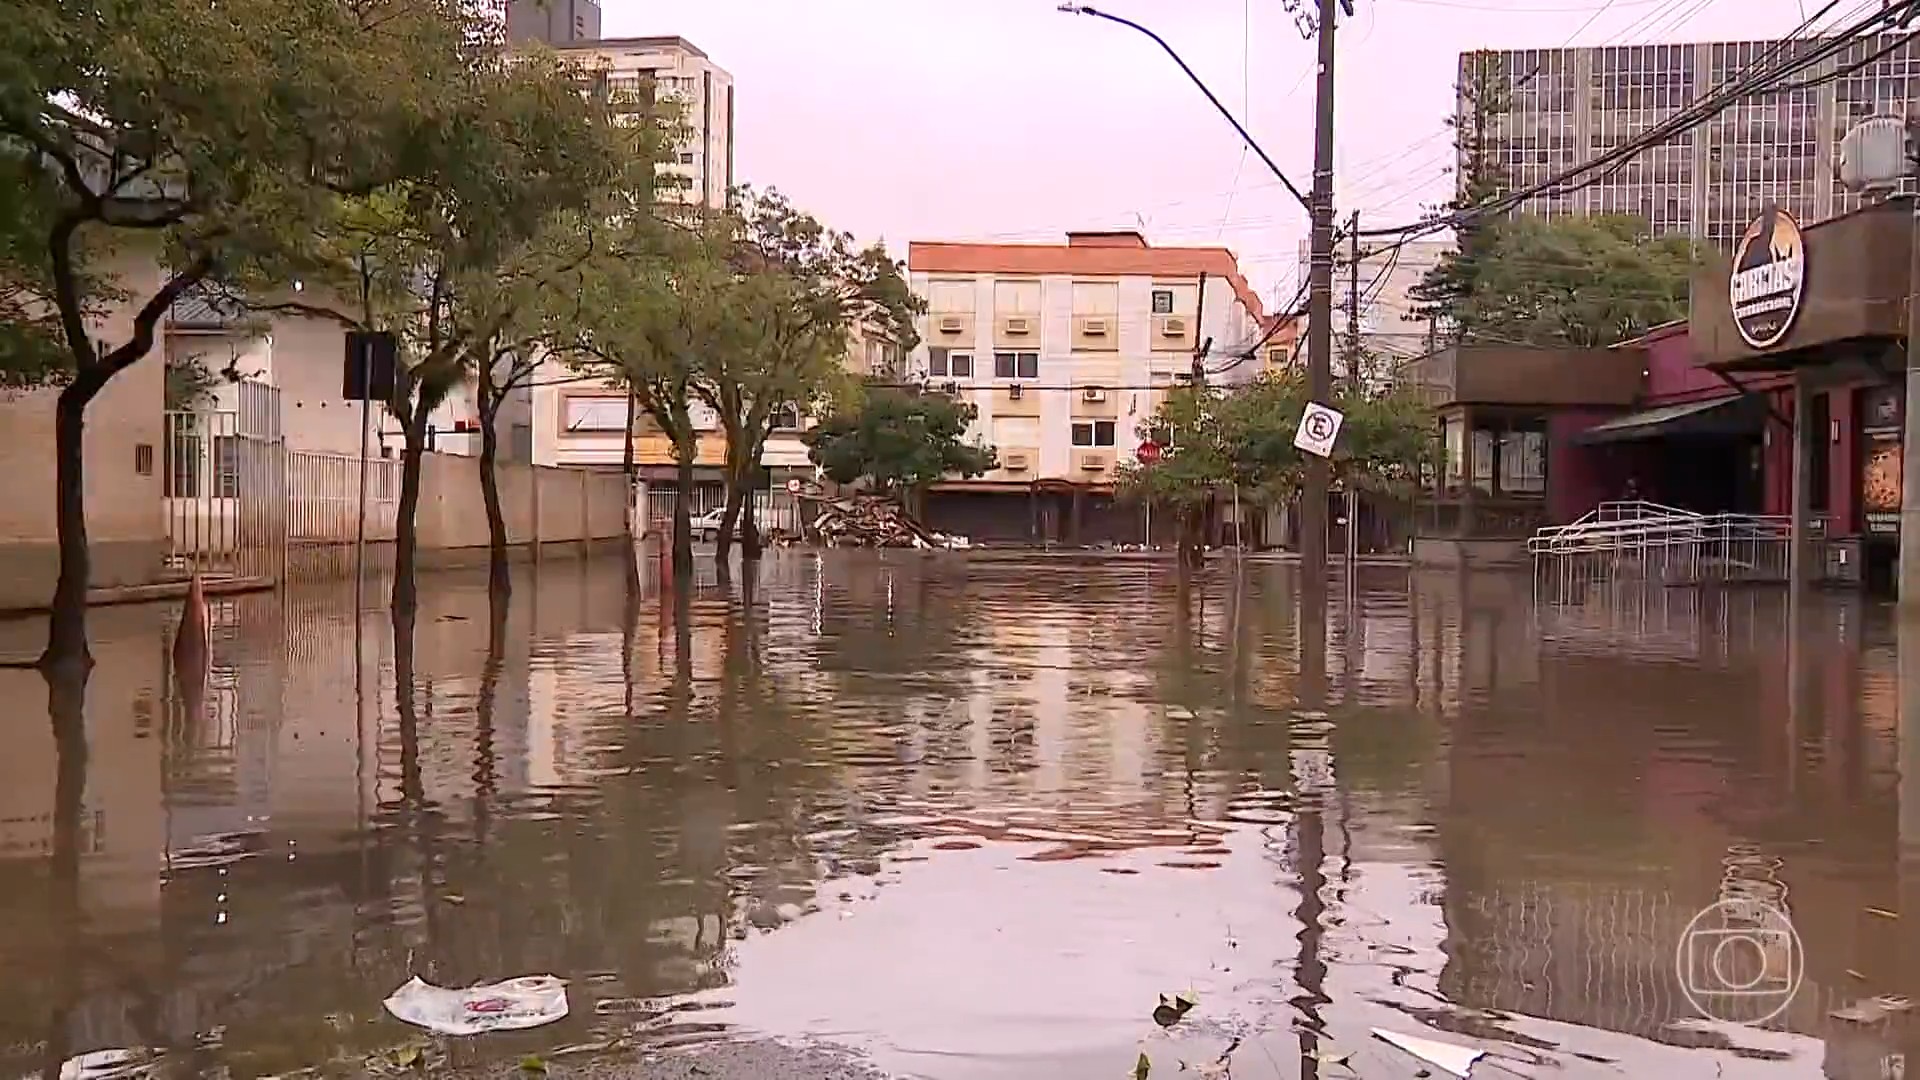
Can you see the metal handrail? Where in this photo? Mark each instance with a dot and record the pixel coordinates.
(1663, 531)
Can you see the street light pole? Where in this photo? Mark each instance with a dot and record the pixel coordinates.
(1313, 496)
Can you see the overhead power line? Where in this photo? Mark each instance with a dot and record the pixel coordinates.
(1749, 83)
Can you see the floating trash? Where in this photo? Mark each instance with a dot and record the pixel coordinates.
(1453, 1059)
(525, 1002)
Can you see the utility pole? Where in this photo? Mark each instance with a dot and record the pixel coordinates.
(1200, 344)
(1353, 303)
(1313, 500)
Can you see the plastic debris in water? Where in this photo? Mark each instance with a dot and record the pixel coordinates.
(525, 1002)
(1449, 1058)
(110, 1065)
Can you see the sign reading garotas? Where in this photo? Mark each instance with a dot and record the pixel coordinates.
(1769, 276)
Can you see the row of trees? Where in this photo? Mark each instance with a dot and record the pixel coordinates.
(388, 165)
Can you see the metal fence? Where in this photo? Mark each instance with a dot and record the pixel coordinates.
(323, 498)
(774, 511)
(224, 487)
(1648, 542)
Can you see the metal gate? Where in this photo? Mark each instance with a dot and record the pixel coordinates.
(225, 486)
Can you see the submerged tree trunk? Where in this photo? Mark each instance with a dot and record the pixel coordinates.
(729, 518)
(750, 547)
(628, 470)
(67, 630)
(683, 512)
(406, 532)
(499, 573)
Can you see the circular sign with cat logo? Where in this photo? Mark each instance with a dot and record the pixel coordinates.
(1769, 277)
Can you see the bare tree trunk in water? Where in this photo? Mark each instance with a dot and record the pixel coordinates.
(628, 470)
(499, 572)
(683, 513)
(750, 547)
(729, 522)
(67, 630)
(406, 533)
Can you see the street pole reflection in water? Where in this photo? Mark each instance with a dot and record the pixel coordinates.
(1309, 754)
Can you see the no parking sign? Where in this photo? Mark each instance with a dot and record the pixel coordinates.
(1319, 427)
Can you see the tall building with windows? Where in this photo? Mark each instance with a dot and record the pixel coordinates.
(1570, 105)
(674, 70)
(1064, 349)
(556, 22)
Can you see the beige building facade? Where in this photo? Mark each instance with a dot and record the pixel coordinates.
(674, 70)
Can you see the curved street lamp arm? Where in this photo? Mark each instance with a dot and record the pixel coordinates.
(1082, 9)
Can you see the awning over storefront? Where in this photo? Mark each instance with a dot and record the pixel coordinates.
(1718, 416)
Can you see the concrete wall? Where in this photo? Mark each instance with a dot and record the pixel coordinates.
(544, 505)
(123, 462)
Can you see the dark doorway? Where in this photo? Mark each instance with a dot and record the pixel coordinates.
(1707, 474)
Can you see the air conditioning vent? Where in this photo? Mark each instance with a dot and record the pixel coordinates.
(1094, 393)
(1013, 392)
(1094, 462)
(1019, 324)
(1184, 378)
(952, 324)
(1014, 463)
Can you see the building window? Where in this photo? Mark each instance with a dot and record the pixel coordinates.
(1016, 365)
(787, 419)
(1523, 462)
(1093, 433)
(944, 364)
(1163, 301)
(588, 414)
(686, 157)
(226, 466)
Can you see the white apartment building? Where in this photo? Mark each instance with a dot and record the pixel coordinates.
(1065, 349)
(678, 72)
(1388, 272)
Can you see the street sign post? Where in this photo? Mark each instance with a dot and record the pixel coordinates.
(1319, 427)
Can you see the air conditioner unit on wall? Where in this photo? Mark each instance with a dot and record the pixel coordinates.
(1173, 326)
(1093, 462)
(1094, 327)
(1018, 324)
(1013, 392)
(1094, 393)
(950, 387)
(1014, 462)
(951, 324)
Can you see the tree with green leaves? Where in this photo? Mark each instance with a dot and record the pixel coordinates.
(196, 137)
(1485, 95)
(649, 321)
(1583, 283)
(802, 290)
(1242, 437)
(900, 441)
(471, 263)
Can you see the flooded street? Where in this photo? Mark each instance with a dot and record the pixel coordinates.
(967, 819)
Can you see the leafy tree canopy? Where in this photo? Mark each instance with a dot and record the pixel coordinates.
(1244, 436)
(899, 440)
(204, 134)
(1574, 282)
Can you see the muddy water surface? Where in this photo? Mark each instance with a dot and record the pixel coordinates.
(970, 819)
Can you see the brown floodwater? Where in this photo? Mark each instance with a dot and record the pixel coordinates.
(971, 818)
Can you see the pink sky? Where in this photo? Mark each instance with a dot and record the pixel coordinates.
(1008, 120)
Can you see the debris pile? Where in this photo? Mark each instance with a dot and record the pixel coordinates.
(872, 521)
